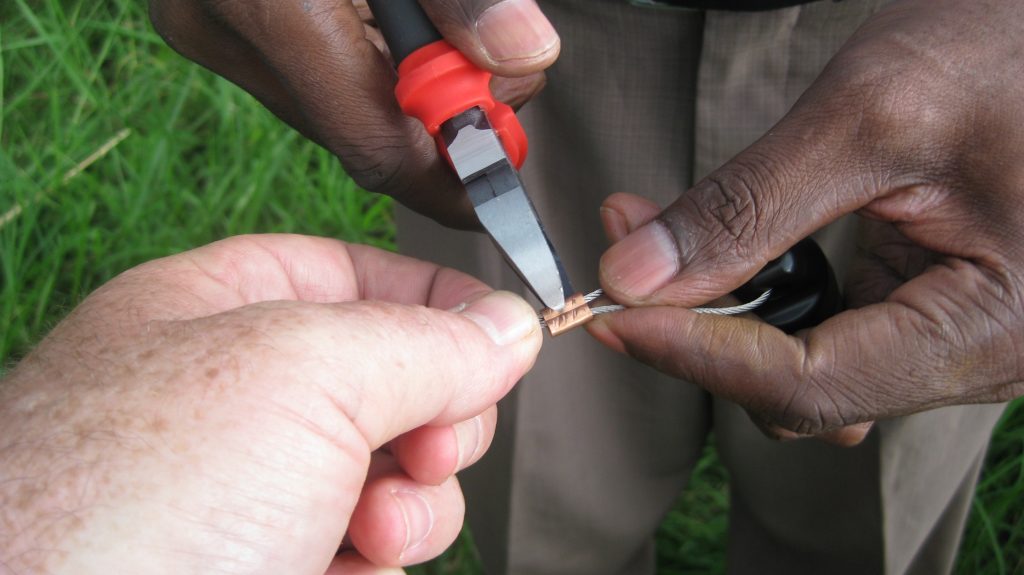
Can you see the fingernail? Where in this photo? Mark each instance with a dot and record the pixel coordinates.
(515, 30)
(418, 516)
(615, 227)
(505, 317)
(468, 437)
(643, 262)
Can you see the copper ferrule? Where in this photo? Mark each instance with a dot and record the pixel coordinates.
(575, 313)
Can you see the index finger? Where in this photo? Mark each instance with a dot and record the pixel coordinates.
(923, 348)
(249, 269)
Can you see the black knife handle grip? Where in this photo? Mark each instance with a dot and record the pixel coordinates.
(405, 26)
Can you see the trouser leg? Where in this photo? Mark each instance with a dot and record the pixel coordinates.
(930, 465)
(895, 504)
(593, 448)
(799, 507)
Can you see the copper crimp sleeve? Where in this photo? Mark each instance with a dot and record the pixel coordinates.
(575, 314)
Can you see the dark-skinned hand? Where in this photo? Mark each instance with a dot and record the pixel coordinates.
(915, 124)
(322, 66)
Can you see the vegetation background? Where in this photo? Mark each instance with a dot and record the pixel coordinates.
(115, 150)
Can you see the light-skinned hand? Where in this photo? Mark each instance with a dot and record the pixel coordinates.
(243, 407)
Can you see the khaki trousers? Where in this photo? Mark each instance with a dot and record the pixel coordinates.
(593, 448)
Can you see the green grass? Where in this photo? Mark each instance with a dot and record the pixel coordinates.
(191, 159)
(994, 539)
(114, 150)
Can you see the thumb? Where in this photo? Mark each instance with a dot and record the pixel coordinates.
(507, 37)
(718, 234)
(401, 367)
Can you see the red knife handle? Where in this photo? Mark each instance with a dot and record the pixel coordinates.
(437, 83)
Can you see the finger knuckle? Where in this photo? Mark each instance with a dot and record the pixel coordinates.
(408, 171)
(812, 409)
(823, 397)
(940, 335)
(731, 205)
(378, 169)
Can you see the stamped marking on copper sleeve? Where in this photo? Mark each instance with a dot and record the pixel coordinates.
(576, 313)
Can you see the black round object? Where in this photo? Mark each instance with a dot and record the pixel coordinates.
(804, 289)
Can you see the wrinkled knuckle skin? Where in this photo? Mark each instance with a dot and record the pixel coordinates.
(812, 409)
(382, 172)
(404, 171)
(728, 206)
